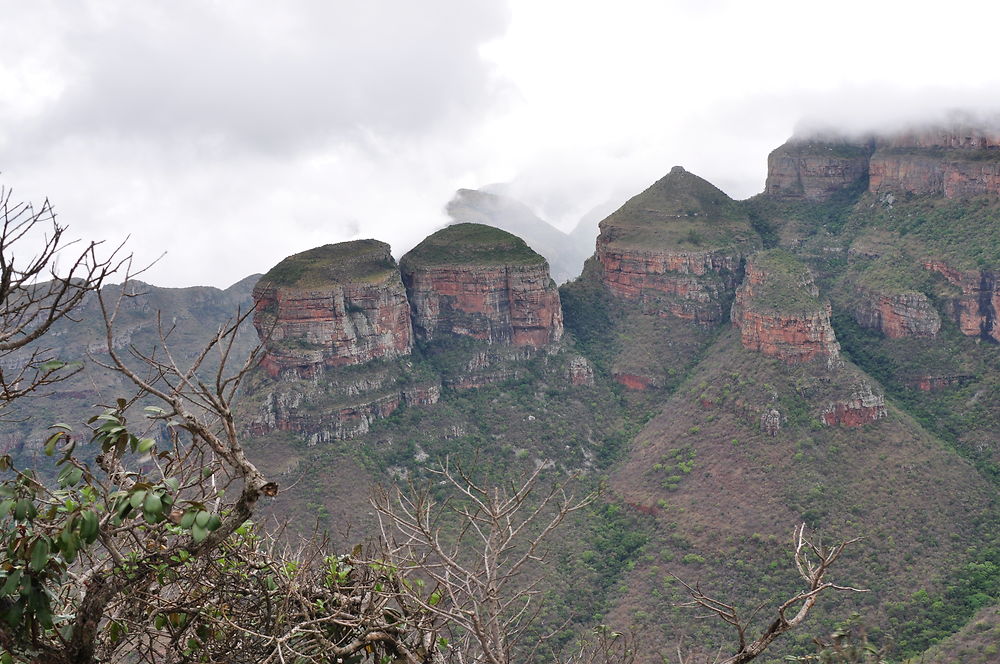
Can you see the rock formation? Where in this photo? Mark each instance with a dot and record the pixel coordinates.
(897, 315)
(778, 311)
(470, 280)
(336, 305)
(676, 248)
(975, 310)
(863, 407)
(817, 168)
(953, 162)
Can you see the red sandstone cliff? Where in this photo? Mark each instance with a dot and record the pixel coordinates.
(335, 305)
(862, 407)
(816, 169)
(778, 312)
(896, 315)
(975, 310)
(676, 248)
(477, 281)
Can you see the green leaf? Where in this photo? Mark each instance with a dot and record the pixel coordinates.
(137, 498)
(198, 533)
(145, 444)
(188, 519)
(40, 554)
(5, 507)
(152, 504)
(202, 519)
(172, 483)
(52, 365)
(11, 584)
(213, 523)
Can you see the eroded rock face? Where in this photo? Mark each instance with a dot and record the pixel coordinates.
(476, 281)
(689, 285)
(677, 249)
(953, 162)
(779, 314)
(863, 407)
(816, 169)
(897, 315)
(332, 306)
(975, 310)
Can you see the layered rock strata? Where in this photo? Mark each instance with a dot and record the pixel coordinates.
(677, 249)
(975, 310)
(897, 315)
(816, 168)
(953, 162)
(778, 311)
(470, 280)
(862, 407)
(336, 305)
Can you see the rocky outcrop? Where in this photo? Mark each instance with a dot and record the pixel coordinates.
(817, 168)
(952, 161)
(336, 305)
(864, 406)
(778, 311)
(897, 315)
(676, 249)
(580, 372)
(470, 280)
(770, 422)
(975, 310)
(930, 383)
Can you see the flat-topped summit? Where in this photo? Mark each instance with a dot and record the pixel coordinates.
(471, 244)
(335, 305)
(344, 262)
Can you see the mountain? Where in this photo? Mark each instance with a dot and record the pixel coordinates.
(564, 252)
(825, 352)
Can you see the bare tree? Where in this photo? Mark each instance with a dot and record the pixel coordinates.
(148, 552)
(475, 550)
(813, 562)
(36, 292)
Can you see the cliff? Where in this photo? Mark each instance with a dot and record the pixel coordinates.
(336, 305)
(779, 313)
(676, 249)
(975, 309)
(817, 168)
(471, 280)
(951, 161)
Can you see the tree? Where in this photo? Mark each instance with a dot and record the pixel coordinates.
(813, 562)
(144, 550)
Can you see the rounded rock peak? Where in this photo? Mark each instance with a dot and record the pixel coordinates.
(677, 169)
(471, 244)
(344, 262)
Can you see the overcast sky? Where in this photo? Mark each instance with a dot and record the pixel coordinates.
(233, 133)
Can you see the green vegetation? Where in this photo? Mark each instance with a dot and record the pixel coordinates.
(788, 284)
(681, 211)
(345, 262)
(470, 244)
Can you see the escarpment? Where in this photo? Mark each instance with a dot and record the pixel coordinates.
(975, 308)
(476, 281)
(778, 311)
(817, 168)
(336, 305)
(676, 249)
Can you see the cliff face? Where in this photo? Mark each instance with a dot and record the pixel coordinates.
(975, 310)
(864, 406)
(333, 306)
(947, 173)
(816, 169)
(470, 280)
(897, 315)
(778, 311)
(677, 249)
